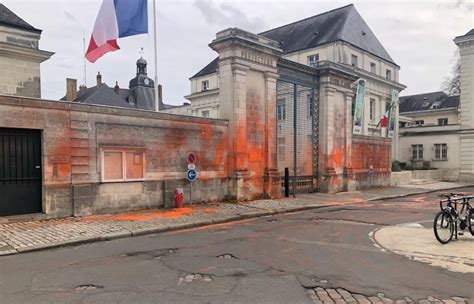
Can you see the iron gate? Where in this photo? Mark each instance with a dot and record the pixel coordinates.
(20, 171)
(297, 126)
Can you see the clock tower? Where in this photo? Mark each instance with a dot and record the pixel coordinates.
(142, 93)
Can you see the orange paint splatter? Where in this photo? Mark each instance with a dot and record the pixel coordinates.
(149, 215)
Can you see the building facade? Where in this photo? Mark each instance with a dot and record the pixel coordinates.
(437, 130)
(466, 51)
(20, 55)
(429, 135)
(340, 36)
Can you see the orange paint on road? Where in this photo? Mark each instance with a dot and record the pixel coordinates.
(149, 215)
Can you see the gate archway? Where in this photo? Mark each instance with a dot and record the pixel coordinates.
(297, 116)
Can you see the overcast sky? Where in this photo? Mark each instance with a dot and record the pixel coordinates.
(417, 34)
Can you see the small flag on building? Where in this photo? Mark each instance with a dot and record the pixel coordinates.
(384, 120)
(116, 19)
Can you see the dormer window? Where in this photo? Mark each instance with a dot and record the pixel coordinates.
(313, 60)
(205, 85)
(435, 105)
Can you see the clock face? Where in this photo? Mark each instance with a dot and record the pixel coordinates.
(146, 81)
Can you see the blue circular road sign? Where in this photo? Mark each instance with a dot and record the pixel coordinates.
(191, 175)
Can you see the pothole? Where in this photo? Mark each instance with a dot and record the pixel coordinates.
(227, 256)
(273, 220)
(86, 287)
(192, 277)
(157, 254)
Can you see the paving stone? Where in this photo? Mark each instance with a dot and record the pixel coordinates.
(361, 299)
(346, 295)
(333, 293)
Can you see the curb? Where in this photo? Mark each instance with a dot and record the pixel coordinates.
(150, 231)
(416, 193)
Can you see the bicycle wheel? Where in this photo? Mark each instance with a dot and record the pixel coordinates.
(470, 222)
(443, 227)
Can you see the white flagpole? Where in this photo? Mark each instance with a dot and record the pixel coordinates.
(157, 104)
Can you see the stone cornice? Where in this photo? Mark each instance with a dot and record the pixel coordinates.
(464, 40)
(18, 52)
(202, 94)
(234, 36)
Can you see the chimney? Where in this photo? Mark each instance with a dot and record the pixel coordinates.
(116, 88)
(99, 79)
(82, 88)
(71, 89)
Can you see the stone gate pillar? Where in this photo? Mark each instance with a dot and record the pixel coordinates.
(335, 127)
(247, 91)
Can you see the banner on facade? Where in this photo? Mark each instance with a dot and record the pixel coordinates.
(359, 107)
(393, 113)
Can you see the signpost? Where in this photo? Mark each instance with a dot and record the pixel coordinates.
(191, 174)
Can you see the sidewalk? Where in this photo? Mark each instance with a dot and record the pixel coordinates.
(38, 235)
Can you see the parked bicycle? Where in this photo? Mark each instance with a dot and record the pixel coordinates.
(451, 221)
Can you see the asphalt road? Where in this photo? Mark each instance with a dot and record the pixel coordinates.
(266, 260)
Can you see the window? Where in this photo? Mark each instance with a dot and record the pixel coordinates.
(281, 148)
(388, 74)
(310, 105)
(354, 62)
(122, 164)
(419, 122)
(416, 152)
(441, 151)
(205, 85)
(402, 124)
(205, 113)
(373, 68)
(442, 121)
(372, 109)
(313, 60)
(281, 109)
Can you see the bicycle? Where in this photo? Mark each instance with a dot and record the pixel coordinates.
(449, 219)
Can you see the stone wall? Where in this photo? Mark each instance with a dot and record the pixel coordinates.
(371, 153)
(74, 134)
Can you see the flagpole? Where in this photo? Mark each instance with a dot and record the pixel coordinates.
(157, 103)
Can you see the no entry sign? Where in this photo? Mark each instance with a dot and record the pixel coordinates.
(191, 158)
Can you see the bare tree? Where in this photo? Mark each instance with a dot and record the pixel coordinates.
(452, 84)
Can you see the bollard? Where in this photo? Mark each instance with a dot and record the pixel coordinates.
(287, 182)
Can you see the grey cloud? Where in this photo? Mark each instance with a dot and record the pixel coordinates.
(226, 15)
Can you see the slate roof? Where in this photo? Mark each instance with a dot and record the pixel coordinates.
(208, 69)
(104, 95)
(471, 32)
(341, 24)
(428, 101)
(9, 18)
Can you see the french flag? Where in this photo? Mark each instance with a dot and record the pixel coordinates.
(116, 19)
(384, 120)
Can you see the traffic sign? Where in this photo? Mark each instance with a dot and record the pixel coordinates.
(191, 175)
(191, 158)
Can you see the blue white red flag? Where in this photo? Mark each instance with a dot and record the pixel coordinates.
(116, 19)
